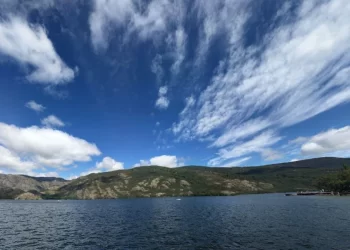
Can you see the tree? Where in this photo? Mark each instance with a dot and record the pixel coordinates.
(339, 182)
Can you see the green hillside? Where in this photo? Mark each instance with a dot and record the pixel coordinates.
(156, 181)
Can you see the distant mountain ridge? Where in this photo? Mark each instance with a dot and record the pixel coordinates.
(12, 186)
(42, 179)
(157, 181)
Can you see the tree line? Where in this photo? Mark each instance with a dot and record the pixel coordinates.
(337, 182)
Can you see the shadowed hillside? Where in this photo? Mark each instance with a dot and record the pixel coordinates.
(12, 186)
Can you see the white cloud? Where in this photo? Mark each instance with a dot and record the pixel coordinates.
(24, 7)
(35, 106)
(269, 154)
(157, 69)
(73, 177)
(155, 21)
(241, 131)
(236, 162)
(13, 163)
(157, 124)
(46, 146)
(216, 18)
(148, 20)
(47, 174)
(109, 164)
(92, 171)
(170, 161)
(52, 121)
(163, 90)
(162, 101)
(298, 70)
(106, 13)
(177, 43)
(332, 141)
(298, 140)
(258, 144)
(29, 45)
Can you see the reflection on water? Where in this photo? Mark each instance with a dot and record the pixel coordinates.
(270, 221)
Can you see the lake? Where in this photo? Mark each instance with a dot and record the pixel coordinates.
(267, 221)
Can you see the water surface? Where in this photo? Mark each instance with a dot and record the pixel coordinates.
(269, 221)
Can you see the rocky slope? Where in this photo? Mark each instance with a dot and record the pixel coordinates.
(12, 186)
(154, 181)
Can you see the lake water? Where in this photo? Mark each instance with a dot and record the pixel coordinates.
(269, 221)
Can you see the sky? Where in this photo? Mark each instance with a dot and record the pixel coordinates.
(97, 85)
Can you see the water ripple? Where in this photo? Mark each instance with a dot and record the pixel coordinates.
(242, 222)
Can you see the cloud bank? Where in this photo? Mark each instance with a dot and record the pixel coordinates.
(26, 149)
(331, 141)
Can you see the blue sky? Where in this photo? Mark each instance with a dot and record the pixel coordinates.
(92, 86)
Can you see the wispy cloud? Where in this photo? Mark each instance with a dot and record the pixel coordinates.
(258, 144)
(177, 43)
(162, 101)
(157, 68)
(35, 106)
(299, 70)
(236, 162)
(29, 45)
(148, 20)
(52, 121)
(269, 154)
(158, 21)
(219, 18)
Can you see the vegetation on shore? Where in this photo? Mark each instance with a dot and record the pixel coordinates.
(336, 182)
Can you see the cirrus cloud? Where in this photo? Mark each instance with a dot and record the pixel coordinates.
(299, 68)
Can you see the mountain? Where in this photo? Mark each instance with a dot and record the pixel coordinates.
(12, 186)
(156, 181)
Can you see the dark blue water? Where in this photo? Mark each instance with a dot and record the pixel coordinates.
(270, 221)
